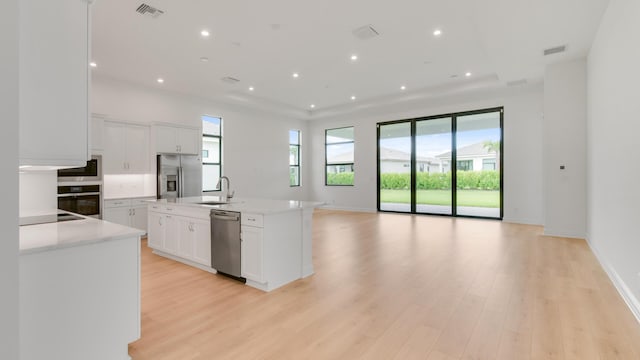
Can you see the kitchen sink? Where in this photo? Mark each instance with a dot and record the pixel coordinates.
(213, 203)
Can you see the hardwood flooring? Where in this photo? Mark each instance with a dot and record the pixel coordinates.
(390, 286)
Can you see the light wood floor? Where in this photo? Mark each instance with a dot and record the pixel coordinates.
(398, 287)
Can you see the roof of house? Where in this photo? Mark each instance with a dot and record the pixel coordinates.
(397, 155)
(477, 149)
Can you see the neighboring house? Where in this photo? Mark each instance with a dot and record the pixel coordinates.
(474, 157)
(396, 161)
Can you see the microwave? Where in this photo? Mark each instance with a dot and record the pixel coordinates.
(90, 172)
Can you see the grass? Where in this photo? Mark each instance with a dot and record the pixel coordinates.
(472, 198)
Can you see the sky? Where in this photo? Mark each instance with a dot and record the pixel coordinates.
(436, 144)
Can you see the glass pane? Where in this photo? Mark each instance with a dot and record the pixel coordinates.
(294, 176)
(433, 166)
(210, 177)
(294, 137)
(340, 153)
(340, 175)
(211, 125)
(478, 159)
(294, 155)
(395, 167)
(339, 135)
(210, 149)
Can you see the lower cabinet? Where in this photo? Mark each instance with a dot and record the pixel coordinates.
(182, 236)
(252, 262)
(127, 212)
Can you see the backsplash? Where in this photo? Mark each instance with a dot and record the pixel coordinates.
(130, 185)
(38, 192)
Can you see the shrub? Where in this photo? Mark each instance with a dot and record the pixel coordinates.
(345, 178)
(472, 180)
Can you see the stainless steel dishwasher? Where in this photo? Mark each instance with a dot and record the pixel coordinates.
(225, 243)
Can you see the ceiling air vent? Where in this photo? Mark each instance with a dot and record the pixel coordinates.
(148, 10)
(555, 50)
(365, 32)
(230, 80)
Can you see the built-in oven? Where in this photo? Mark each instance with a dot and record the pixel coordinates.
(91, 172)
(81, 199)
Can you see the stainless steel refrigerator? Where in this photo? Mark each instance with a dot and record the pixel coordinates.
(179, 176)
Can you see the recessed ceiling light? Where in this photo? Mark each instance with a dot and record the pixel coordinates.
(160, 80)
(467, 74)
(296, 75)
(353, 97)
(354, 57)
(204, 33)
(204, 59)
(93, 64)
(403, 87)
(437, 32)
(250, 88)
(312, 106)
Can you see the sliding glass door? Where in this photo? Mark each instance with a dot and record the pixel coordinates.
(443, 165)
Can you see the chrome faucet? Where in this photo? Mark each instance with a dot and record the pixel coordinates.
(226, 193)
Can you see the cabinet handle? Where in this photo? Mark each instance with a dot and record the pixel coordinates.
(169, 209)
(160, 221)
(133, 212)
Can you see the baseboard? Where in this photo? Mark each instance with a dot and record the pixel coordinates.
(551, 232)
(629, 298)
(347, 208)
(522, 221)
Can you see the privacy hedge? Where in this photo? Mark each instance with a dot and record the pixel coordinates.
(473, 180)
(345, 178)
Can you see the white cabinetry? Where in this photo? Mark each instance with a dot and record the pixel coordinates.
(126, 148)
(251, 250)
(97, 129)
(177, 140)
(127, 212)
(184, 233)
(54, 82)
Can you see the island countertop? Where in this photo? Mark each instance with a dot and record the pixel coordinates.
(60, 235)
(253, 205)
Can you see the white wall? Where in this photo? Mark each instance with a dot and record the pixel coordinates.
(564, 134)
(253, 141)
(38, 192)
(9, 189)
(613, 136)
(523, 108)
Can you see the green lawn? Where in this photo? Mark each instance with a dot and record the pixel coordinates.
(473, 198)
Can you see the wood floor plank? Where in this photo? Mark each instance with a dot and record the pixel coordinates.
(394, 286)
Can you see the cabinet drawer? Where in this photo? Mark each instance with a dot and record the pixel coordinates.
(251, 219)
(139, 202)
(114, 203)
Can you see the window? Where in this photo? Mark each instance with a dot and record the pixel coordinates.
(465, 165)
(488, 164)
(211, 152)
(339, 155)
(294, 158)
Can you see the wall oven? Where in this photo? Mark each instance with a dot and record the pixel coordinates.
(91, 172)
(81, 199)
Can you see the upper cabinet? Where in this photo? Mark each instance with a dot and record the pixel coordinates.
(54, 82)
(177, 140)
(126, 148)
(97, 140)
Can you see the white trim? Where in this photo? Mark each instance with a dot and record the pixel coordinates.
(551, 232)
(347, 208)
(629, 298)
(525, 221)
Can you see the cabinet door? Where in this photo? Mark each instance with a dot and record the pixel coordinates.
(166, 139)
(251, 253)
(189, 141)
(119, 215)
(97, 129)
(171, 235)
(155, 238)
(114, 155)
(202, 241)
(54, 82)
(185, 237)
(137, 149)
(139, 217)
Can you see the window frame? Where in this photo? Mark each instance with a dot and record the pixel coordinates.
(219, 163)
(326, 162)
(298, 157)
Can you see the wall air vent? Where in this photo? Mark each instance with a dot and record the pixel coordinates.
(230, 80)
(555, 50)
(149, 11)
(517, 82)
(365, 32)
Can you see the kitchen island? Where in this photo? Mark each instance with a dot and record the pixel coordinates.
(79, 289)
(275, 236)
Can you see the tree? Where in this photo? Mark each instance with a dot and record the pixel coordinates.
(493, 147)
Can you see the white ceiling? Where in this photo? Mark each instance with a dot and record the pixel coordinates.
(262, 43)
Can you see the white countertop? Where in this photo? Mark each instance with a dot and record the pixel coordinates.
(253, 205)
(52, 236)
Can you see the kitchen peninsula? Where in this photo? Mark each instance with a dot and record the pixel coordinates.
(275, 236)
(79, 288)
